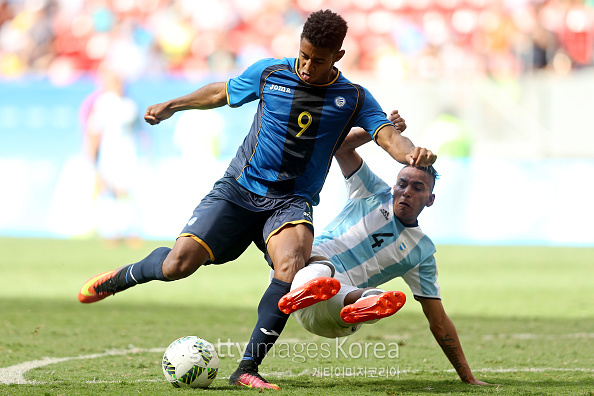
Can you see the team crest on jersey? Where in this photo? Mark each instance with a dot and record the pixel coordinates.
(339, 101)
(275, 87)
(385, 213)
(403, 245)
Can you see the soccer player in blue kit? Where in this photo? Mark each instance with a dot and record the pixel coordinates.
(306, 109)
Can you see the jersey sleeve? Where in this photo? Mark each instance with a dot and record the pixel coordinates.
(364, 183)
(371, 117)
(246, 87)
(422, 279)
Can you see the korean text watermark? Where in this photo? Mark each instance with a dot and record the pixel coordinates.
(357, 371)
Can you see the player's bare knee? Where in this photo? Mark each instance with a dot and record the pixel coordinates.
(179, 265)
(285, 270)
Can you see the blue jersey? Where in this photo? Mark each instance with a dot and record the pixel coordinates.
(297, 128)
(368, 245)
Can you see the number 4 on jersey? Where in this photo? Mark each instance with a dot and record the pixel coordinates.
(378, 241)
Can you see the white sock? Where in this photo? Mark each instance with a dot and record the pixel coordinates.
(312, 271)
(370, 293)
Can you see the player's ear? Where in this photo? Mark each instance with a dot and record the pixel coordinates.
(338, 56)
(431, 200)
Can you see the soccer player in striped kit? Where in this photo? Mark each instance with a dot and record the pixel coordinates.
(306, 109)
(375, 238)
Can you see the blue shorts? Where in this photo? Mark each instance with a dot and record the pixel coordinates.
(230, 218)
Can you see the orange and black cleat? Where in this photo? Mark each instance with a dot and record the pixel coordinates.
(373, 307)
(99, 287)
(313, 291)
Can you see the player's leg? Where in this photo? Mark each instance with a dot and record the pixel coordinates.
(185, 258)
(288, 234)
(312, 284)
(289, 249)
(371, 304)
(163, 264)
(353, 296)
(213, 229)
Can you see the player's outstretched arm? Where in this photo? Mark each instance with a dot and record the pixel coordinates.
(445, 334)
(402, 149)
(348, 159)
(208, 97)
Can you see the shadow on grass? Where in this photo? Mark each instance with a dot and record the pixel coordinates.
(389, 387)
(33, 329)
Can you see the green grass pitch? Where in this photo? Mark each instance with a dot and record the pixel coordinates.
(524, 315)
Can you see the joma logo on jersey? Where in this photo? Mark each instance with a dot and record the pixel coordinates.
(275, 87)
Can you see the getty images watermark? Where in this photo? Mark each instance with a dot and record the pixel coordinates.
(300, 352)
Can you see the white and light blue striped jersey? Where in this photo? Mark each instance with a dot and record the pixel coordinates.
(369, 246)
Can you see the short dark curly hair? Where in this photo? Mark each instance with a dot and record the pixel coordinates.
(325, 29)
(430, 170)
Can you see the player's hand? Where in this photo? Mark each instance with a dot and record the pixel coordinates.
(420, 156)
(156, 113)
(474, 381)
(397, 120)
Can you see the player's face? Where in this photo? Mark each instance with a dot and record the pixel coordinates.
(316, 64)
(412, 193)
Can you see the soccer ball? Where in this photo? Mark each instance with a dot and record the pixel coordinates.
(190, 362)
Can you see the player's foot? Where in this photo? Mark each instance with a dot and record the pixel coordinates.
(247, 375)
(313, 291)
(373, 307)
(103, 285)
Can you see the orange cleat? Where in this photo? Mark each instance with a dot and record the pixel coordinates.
(247, 375)
(99, 287)
(374, 307)
(314, 291)
(255, 381)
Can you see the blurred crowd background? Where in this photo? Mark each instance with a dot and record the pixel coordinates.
(406, 38)
(501, 90)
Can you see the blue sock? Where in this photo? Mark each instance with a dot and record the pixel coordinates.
(148, 269)
(271, 322)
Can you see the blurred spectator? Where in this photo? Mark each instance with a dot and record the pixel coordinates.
(110, 122)
(148, 37)
(544, 42)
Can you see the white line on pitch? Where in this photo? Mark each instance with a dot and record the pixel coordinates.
(15, 374)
